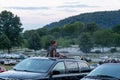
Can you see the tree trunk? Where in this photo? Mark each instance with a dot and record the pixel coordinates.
(103, 49)
(35, 52)
(3, 51)
(116, 47)
(8, 51)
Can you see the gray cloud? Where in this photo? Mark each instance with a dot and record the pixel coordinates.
(29, 8)
(76, 6)
(43, 14)
(73, 6)
(69, 10)
(71, 2)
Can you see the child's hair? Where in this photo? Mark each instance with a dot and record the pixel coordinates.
(52, 42)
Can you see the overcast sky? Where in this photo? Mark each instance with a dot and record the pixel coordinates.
(35, 14)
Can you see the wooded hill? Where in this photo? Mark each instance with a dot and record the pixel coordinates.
(104, 19)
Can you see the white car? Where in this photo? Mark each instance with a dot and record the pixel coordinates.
(10, 62)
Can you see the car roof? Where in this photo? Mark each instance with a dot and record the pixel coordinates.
(115, 65)
(111, 64)
(56, 58)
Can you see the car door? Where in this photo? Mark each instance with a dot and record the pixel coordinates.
(84, 67)
(58, 71)
(72, 70)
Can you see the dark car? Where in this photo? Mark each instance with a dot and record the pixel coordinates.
(1, 61)
(39, 68)
(108, 71)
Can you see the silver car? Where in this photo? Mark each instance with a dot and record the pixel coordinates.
(108, 71)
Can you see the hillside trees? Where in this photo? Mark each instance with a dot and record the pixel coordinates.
(86, 35)
(56, 32)
(45, 41)
(105, 19)
(28, 33)
(91, 27)
(116, 29)
(79, 28)
(64, 42)
(42, 31)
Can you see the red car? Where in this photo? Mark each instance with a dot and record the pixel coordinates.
(2, 69)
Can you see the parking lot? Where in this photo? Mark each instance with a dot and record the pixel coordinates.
(11, 59)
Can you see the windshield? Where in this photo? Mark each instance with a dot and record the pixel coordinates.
(34, 65)
(111, 70)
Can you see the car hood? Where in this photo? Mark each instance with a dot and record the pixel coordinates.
(20, 75)
(89, 79)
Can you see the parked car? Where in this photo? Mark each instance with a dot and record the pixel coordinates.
(108, 71)
(1, 61)
(44, 68)
(86, 59)
(2, 69)
(10, 62)
(93, 66)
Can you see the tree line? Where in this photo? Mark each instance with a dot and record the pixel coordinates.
(86, 35)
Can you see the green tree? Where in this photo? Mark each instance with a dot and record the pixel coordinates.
(63, 42)
(10, 25)
(56, 32)
(86, 43)
(45, 41)
(68, 29)
(103, 38)
(116, 29)
(28, 33)
(5, 42)
(42, 32)
(115, 40)
(91, 27)
(34, 41)
(25, 43)
(78, 28)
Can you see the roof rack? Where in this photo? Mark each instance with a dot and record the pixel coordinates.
(54, 58)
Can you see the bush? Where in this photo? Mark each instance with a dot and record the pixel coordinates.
(112, 50)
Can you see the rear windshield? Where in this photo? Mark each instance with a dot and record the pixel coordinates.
(34, 65)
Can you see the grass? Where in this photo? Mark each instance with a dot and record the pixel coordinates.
(8, 67)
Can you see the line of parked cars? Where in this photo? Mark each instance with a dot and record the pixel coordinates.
(47, 68)
(11, 59)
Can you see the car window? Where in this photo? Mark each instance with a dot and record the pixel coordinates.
(60, 67)
(72, 66)
(83, 66)
(34, 65)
